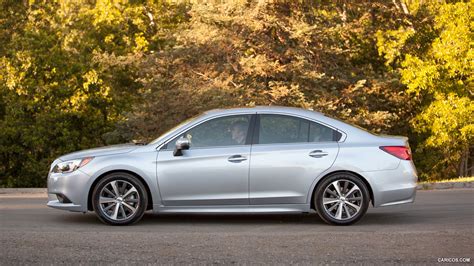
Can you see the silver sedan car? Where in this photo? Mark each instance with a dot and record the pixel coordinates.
(245, 160)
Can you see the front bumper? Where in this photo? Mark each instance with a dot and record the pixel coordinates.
(73, 186)
(393, 187)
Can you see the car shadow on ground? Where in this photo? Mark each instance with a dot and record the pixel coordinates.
(234, 219)
(150, 219)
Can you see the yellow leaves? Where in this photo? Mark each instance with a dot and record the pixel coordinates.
(12, 77)
(442, 66)
(25, 60)
(260, 65)
(283, 94)
(445, 71)
(127, 40)
(448, 65)
(92, 89)
(453, 48)
(77, 101)
(454, 15)
(448, 118)
(279, 90)
(326, 14)
(377, 121)
(419, 75)
(90, 78)
(109, 39)
(467, 132)
(391, 42)
(108, 12)
(141, 44)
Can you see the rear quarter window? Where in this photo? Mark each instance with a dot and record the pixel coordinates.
(320, 133)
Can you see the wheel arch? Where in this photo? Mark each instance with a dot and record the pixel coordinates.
(363, 179)
(89, 196)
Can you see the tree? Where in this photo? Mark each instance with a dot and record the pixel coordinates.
(273, 53)
(79, 74)
(60, 88)
(438, 70)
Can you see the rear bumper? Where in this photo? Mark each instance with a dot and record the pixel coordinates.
(393, 187)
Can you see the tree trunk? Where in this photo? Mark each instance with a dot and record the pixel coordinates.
(465, 165)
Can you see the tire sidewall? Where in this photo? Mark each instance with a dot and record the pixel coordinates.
(318, 198)
(125, 177)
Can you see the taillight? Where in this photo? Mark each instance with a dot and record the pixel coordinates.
(400, 152)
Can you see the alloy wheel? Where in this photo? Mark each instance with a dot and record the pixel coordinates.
(119, 200)
(342, 199)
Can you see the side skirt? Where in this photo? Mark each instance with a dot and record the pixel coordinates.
(240, 209)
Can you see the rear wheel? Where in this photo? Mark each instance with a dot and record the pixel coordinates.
(119, 199)
(341, 199)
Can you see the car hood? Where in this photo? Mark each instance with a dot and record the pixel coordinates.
(107, 150)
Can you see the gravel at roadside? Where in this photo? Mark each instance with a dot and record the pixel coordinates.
(445, 185)
(22, 191)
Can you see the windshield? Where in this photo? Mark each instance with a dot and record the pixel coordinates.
(164, 135)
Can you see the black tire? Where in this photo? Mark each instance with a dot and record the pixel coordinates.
(140, 199)
(326, 214)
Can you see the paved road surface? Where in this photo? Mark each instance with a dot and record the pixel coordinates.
(438, 225)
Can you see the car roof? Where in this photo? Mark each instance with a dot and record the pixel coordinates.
(282, 109)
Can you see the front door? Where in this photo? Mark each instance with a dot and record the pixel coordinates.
(214, 171)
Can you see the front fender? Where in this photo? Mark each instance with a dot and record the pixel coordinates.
(141, 164)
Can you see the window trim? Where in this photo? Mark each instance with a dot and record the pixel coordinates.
(248, 140)
(257, 129)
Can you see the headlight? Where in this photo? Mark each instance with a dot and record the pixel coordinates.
(71, 166)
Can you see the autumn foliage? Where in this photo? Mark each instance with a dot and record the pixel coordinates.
(80, 74)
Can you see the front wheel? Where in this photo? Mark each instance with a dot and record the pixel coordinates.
(341, 199)
(119, 199)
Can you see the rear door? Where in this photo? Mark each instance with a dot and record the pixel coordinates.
(287, 155)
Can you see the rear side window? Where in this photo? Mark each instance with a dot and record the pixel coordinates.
(289, 129)
(282, 129)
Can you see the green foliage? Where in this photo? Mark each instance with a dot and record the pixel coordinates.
(60, 88)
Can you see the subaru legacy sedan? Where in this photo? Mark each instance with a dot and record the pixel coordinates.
(245, 160)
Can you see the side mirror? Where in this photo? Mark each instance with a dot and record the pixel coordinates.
(181, 144)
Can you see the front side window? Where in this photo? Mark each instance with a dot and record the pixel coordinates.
(289, 129)
(223, 131)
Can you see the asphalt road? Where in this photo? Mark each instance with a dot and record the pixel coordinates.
(438, 226)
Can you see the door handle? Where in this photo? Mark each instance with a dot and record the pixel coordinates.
(236, 158)
(318, 154)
